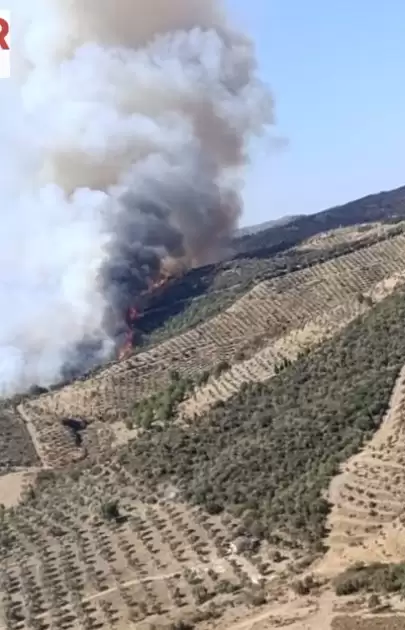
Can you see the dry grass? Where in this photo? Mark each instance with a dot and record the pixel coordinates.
(13, 485)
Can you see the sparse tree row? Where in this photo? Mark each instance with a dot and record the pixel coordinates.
(17, 449)
(201, 295)
(283, 351)
(93, 548)
(269, 455)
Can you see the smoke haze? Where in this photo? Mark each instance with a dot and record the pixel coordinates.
(129, 129)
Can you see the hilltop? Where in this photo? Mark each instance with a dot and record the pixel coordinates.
(244, 467)
(260, 227)
(382, 206)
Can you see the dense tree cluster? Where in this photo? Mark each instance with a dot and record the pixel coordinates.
(372, 578)
(269, 454)
(160, 408)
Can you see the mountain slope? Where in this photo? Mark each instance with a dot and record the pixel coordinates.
(187, 486)
(383, 206)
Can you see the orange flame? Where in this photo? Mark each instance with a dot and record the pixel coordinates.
(126, 350)
(170, 268)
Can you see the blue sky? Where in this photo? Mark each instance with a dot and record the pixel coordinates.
(336, 70)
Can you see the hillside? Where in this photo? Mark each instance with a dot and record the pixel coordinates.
(244, 467)
(383, 206)
(254, 229)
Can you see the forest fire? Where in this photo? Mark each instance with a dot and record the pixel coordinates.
(126, 349)
(137, 169)
(134, 312)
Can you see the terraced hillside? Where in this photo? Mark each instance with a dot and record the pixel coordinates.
(265, 314)
(144, 531)
(267, 362)
(367, 520)
(274, 447)
(205, 292)
(225, 477)
(351, 234)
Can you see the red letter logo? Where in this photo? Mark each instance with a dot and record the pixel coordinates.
(4, 29)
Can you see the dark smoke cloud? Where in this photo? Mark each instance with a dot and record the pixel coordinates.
(137, 117)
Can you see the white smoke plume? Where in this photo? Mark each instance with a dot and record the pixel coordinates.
(130, 125)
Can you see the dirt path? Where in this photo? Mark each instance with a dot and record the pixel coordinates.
(296, 614)
(113, 589)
